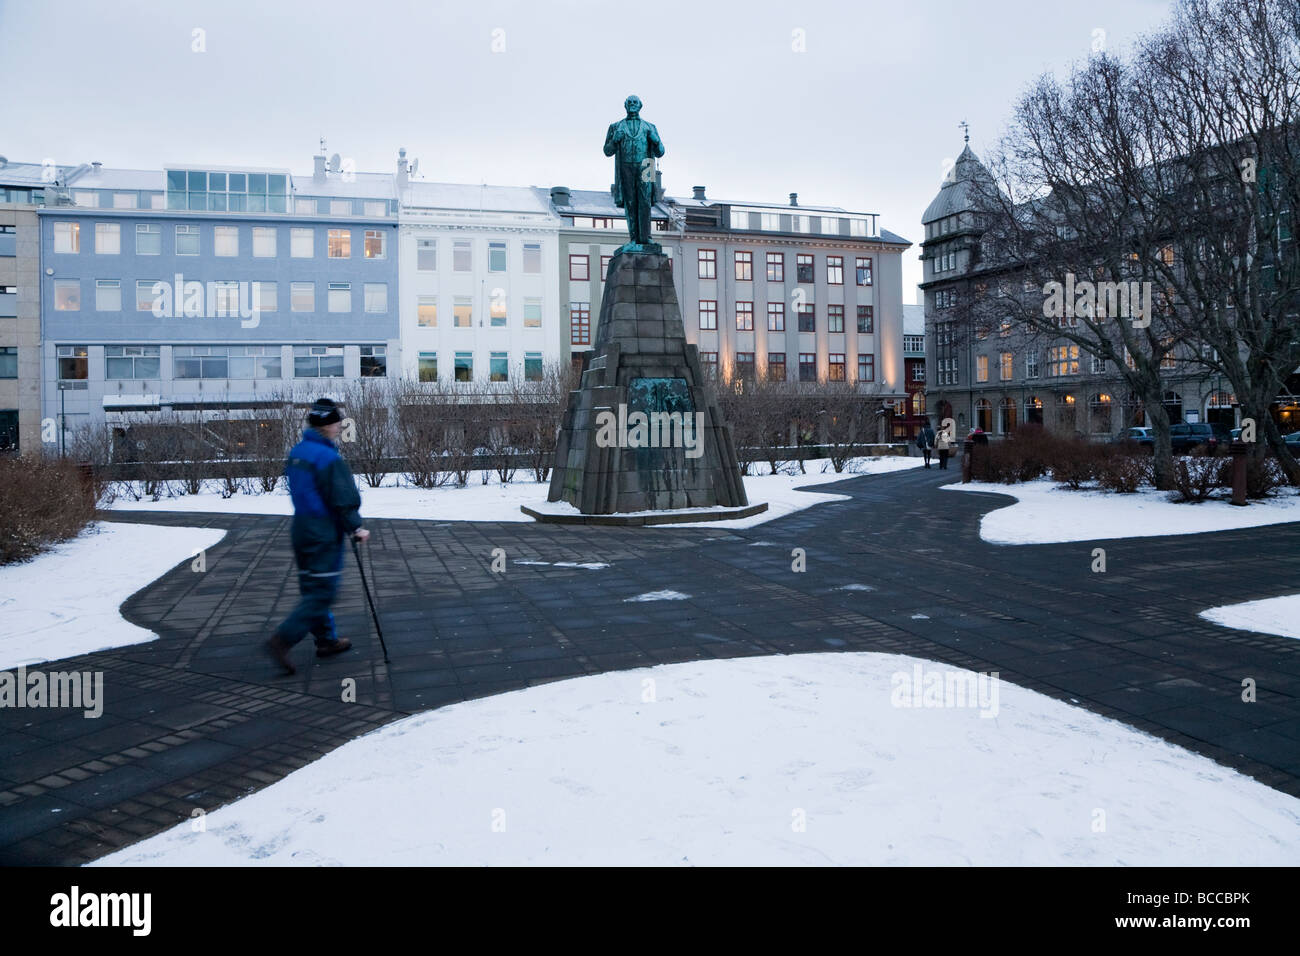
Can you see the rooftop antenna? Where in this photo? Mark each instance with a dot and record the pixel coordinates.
(965, 128)
(322, 145)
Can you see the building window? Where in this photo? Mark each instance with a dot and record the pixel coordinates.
(462, 257)
(807, 318)
(918, 372)
(302, 296)
(981, 368)
(579, 268)
(776, 267)
(426, 259)
(744, 267)
(225, 241)
(835, 318)
(496, 258)
(428, 367)
(340, 297)
(108, 238)
(984, 415)
(462, 312)
(709, 363)
(108, 295)
(1004, 330)
(776, 366)
(1100, 407)
(803, 267)
(375, 208)
(745, 366)
(266, 296)
(866, 368)
(426, 312)
(124, 200)
(776, 317)
(67, 237)
(376, 296)
(1063, 360)
(498, 367)
(464, 369)
(1098, 365)
(187, 240)
(708, 314)
(339, 244)
(807, 367)
(67, 295)
(341, 207)
(144, 296)
(302, 243)
(148, 239)
(864, 270)
(304, 207)
(1005, 364)
(708, 264)
(836, 367)
(532, 366)
(580, 323)
(744, 317)
(532, 313)
(264, 242)
(74, 363)
(9, 361)
(373, 245)
(835, 270)
(318, 361)
(374, 361)
(532, 258)
(497, 309)
(604, 266)
(1031, 365)
(131, 361)
(8, 301)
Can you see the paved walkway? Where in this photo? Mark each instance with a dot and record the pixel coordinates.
(200, 717)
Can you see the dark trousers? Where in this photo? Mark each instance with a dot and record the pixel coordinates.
(320, 568)
(926, 452)
(637, 197)
(943, 457)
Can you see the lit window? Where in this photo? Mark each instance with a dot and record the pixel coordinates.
(373, 244)
(426, 312)
(67, 295)
(835, 367)
(462, 312)
(981, 368)
(339, 245)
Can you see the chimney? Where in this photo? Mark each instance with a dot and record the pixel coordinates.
(318, 171)
(560, 196)
(403, 174)
(794, 199)
(97, 167)
(699, 192)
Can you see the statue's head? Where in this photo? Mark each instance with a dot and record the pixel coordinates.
(632, 104)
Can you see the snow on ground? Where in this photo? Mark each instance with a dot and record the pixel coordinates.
(64, 602)
(772, 760)
(1279, 615)
(658, 596)
(497, 502)
(1048, 514)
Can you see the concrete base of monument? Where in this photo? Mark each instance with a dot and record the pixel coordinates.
(561, 512)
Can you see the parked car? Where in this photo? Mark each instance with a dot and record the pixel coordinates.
(1138, 435)
(1208, 435)
(1293, 442)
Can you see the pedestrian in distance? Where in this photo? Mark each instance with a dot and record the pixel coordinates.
(326, 511)
(944, 445)
(925, 441)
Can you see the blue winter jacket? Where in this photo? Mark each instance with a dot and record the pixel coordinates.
(325, 496)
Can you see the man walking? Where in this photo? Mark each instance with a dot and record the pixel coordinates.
(925, 441)
(325, 512)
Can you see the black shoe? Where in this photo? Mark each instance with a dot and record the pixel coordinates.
(330, 648)
(279, 652)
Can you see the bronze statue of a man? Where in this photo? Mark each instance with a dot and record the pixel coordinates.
(637, 145)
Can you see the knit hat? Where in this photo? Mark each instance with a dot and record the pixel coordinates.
(325, 411)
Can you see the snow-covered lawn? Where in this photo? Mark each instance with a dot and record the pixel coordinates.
(1279, 615)
(1047, 514)
(64, 602)
(776, 760)
(497, 502)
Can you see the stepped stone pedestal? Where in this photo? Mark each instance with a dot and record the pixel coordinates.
(643, 363)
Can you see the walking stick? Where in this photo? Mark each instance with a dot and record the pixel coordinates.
(356, 550)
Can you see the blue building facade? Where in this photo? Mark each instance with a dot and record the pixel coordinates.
(207, 288)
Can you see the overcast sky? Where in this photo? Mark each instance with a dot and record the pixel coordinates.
(863, 118)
